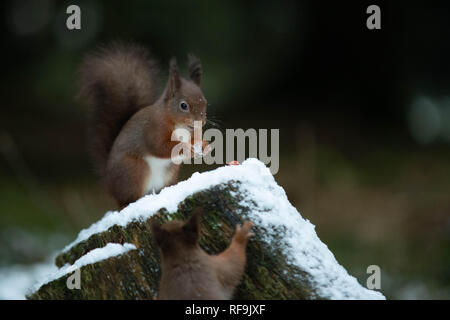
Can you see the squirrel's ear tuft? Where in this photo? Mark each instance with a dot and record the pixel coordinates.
(159, 234)
(174, 83)
(191, 227)
(195, 69)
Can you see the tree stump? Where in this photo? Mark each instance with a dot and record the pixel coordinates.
(285, 258)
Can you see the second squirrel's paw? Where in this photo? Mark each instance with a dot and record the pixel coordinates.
(243, 234)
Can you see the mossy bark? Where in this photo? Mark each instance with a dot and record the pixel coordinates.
(136, 274)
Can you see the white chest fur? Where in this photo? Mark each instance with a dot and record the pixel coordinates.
(158, 173)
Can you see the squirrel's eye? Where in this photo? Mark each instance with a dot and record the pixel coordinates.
(184, 106)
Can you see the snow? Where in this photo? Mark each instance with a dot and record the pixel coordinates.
(270, 210)
(170, 197)
(16, 279)
(93, 256)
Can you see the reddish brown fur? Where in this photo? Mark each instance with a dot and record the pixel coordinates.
(129, 123)
(189, 273)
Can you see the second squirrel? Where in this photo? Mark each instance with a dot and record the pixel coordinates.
(188, 272)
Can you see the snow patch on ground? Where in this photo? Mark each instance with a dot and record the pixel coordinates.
(16, 279)
(270, 210)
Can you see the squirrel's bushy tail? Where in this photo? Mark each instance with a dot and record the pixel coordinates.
(117, 81)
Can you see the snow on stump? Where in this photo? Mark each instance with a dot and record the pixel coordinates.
(117, 257)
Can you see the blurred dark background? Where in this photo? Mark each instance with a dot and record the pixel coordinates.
(364, 119)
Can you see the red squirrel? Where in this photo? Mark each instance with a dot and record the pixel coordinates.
(131, 127)
(188, 272)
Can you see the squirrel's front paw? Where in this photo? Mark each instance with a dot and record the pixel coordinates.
(243, 234)
(201, 149)
(188, 151)
(195, 150)
(206, 148)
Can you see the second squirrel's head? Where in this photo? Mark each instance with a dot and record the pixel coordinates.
(184, 97)
(177, 237)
